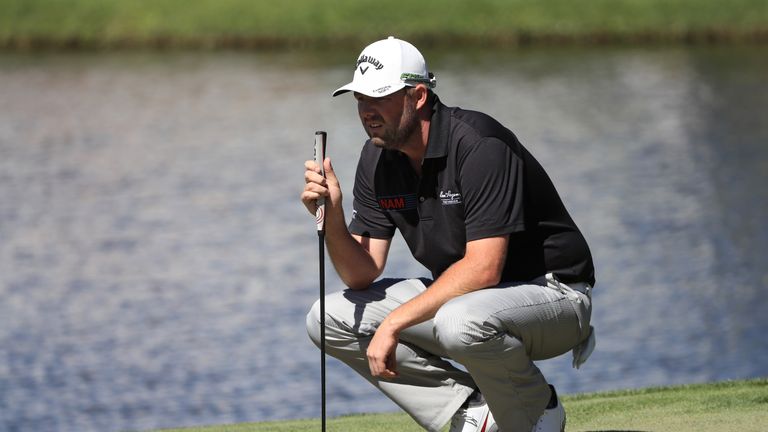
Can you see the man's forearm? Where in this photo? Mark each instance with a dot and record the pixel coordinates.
(455, 281)
(480, 268)
(352, 261)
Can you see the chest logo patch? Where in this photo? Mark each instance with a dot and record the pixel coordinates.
(397, 202)
(450, 198)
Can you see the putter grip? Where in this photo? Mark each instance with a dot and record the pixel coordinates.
(320, 138)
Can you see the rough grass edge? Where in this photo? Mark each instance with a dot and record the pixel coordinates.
(500, 40)
(756, 382)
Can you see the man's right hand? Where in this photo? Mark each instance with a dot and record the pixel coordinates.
(316, 186)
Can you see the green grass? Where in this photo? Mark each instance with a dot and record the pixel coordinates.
(261, 23)
(719, 407)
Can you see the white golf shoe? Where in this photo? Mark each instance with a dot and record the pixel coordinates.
(553, 419)
(475, 417)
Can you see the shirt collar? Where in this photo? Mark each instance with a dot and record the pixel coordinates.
(439, 131)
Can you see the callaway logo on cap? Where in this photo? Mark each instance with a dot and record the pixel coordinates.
(386, 66)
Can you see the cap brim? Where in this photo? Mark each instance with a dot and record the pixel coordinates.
(376, 93)
(342, 90)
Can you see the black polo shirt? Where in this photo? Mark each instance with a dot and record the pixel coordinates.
(477, 181)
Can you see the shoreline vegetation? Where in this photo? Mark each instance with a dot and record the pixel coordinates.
(304, 24)
(714, 407)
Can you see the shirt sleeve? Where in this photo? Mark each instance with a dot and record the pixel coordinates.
(367, 218)
(491, 178)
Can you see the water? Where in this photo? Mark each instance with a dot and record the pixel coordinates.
(156, 264)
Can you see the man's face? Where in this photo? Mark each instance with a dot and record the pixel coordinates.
(390, 120)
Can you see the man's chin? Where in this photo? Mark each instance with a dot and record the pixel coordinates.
(378, 142)
(385, 144)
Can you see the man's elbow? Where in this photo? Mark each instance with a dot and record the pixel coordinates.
(487, 259)
(358, 282)
(489, 277)
(488, 274)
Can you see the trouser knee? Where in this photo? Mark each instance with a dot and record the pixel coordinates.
(458, 329)
(338, 311)
(313, 323)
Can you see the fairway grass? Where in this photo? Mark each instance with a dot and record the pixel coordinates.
(723, 407)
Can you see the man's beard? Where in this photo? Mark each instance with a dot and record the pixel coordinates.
(396, 139)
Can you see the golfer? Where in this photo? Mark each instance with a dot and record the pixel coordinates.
(511, 272)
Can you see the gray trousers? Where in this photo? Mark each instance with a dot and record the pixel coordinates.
(495, 333)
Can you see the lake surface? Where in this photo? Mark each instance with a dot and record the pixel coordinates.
(156, 263)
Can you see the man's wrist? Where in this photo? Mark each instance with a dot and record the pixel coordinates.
(334, 219)
(388, 326)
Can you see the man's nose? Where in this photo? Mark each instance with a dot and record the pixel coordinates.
(366, 110)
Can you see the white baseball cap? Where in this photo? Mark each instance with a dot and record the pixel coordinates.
(387, 66)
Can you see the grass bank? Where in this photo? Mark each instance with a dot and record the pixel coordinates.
(718, 407)
(29, 24)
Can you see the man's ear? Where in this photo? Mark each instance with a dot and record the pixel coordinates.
(421, 95)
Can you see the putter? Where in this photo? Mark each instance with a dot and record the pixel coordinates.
(320, 137)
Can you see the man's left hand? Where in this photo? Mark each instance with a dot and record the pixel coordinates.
(381, 353)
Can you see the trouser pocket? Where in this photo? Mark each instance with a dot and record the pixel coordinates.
(580, 301)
